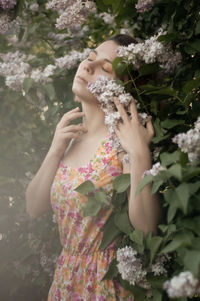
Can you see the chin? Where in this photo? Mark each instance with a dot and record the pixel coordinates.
(82, 94)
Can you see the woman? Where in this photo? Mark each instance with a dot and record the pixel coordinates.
(81, 152)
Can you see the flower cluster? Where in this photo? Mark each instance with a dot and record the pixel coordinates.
(130, 266)
(108, 18)
(105, 90)
(7, 4)
(15, 67)
(71, 12)
(189, 142)
(144, 5)
(183, 285)
(154, 170)
(71, 60)
(150, 51)
(5, 22)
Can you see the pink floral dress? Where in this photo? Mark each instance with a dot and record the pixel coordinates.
(81, 266)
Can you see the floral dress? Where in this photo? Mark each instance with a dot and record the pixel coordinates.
(81, 266)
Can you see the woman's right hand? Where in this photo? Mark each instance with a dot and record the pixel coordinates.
(65, 132)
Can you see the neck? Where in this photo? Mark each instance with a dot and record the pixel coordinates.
(94, 119)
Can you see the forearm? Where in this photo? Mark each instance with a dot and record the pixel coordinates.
(38, 190)
(144, 208)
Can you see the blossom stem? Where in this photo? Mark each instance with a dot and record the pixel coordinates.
(138, 94)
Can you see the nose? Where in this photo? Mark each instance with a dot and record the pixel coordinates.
(89, 67)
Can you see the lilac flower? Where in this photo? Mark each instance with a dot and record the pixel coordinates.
(154, 170)
(144, 5)
(158, 266)
(150, 51)
(7, 4)
(71, 60)
(130, 265)
(183, 285)
(105, 90)
(34, 7)
(5, 22)
(108, 18)
(71, 12)
(189, 142)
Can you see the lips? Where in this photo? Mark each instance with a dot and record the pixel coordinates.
(80, 77)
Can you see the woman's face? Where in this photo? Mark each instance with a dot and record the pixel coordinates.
(99, 62)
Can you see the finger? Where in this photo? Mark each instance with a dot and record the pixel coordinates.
(74, 128)
(69, 117)
(120, 109)
(149, 127)
(134, 112)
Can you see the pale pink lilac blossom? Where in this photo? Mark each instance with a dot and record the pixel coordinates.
(71, 60)
(5, 22)
(144, 5)
(156, 168)
(71, 12)
(7, 4)
(131, 266)
(150, 51)
(182, 285)
(189, 142)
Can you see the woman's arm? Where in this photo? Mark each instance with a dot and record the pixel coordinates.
(38, 190)
(145, 210)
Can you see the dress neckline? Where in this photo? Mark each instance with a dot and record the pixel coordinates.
(65, 165)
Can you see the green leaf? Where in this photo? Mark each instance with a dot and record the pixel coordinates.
(192, 261)
(137, 236)
(171, 212)
(157, 296)
(50, 91)
(91, 207)
(156, 186)
(163, 91)
(154, 246)
(170, 123)
(122, 182)
(111, 231)
(112, 270)
(122, 222)
(86, 187)
(179, 240)
(119, 198)
(176, 171)
(183, 193)
(101, 197)
(146, 180)
(190, 85)
(27, 84)
(169, 158)
(148, 69)
(119, 66)
(156, 281)
(159, 138)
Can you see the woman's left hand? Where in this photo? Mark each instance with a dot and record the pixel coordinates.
(134, 137)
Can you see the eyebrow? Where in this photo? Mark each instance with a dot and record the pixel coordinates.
(93, 50)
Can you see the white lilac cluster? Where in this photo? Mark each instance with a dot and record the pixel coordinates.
(130, 266)
(15, 68)
(150, 51)
(105, 90)
(5, 22)
(158, 267)
(189, 142)
(154, 170)
(144, 5)
(7, 4)
(71, 12)
(183, 285)
(71, 60)
(108, 18)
